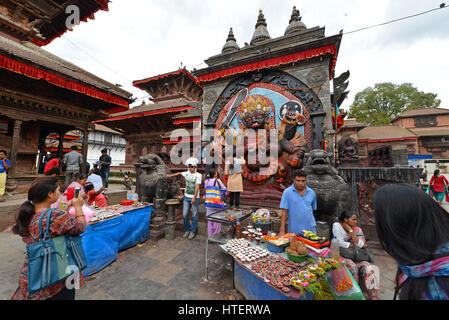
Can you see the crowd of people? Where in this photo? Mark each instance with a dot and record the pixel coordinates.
(411, 226)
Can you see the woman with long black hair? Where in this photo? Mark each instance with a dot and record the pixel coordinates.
(41, 195)
(414, 230)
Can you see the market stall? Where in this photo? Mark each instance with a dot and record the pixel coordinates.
(232, 218)
(267, 267)
(113, 229)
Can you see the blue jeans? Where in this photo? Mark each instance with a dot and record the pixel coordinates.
(105, 175)
(187, 204)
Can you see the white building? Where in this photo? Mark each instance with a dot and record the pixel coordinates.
(103, 137)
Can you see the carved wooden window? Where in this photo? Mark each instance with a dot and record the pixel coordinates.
(4, 126)
(107, 138)
(425, 121)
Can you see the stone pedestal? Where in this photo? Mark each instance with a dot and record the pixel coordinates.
(172, 204)
(159, 221)
(157, 227)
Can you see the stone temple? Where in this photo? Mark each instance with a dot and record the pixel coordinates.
(280, 83)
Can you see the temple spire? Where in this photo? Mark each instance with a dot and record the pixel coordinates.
(231, 44)
(295, 15)
(295, 24)
(261, 32)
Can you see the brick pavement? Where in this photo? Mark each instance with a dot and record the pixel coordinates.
(158, 270)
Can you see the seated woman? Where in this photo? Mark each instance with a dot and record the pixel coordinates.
(64, 201)
(356, 254)
(96, 197)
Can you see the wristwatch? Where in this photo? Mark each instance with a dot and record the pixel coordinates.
(351, 231)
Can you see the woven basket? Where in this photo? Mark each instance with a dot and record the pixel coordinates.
(295, 257)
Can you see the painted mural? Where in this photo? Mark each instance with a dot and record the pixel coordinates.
(264, 107)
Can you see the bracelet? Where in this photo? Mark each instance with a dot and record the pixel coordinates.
(80, 215)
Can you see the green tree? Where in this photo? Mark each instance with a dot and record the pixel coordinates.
(381, 104)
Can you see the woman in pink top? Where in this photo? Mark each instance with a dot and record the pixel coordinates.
(212, 179)
(63, 202)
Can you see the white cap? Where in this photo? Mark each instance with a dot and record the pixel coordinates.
(192, 162)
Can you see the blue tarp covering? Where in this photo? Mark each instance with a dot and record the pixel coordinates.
(135, 228)
(102, 241)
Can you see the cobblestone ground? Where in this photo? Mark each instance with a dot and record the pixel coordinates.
(162, 270)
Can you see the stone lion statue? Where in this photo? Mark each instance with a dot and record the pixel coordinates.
(153, 183)
(332, 192)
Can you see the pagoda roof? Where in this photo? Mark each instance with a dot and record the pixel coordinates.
(99, 127)
(56, 10)
(187, 117)
(149, 110)
(34, 62)
(148, 82)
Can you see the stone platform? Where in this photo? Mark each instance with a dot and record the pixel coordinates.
(160, 270)
(10, 207)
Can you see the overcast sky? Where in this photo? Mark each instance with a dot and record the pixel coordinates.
(137, 39)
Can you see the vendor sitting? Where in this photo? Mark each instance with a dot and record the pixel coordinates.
(355, 252)
(96, 197)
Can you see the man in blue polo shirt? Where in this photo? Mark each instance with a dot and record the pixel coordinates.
(298, 203)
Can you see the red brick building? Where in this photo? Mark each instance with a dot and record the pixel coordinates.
(431, 125)
(418, 132)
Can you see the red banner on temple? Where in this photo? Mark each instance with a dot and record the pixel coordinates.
(36, 73)
(273, 62)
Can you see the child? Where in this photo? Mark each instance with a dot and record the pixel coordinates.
(95, 196)
(213, 180)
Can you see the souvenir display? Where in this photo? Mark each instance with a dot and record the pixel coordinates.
(230, 216)
(313, 240)
(282, 241)
(102, 214)
(262, 216)
(242, 250)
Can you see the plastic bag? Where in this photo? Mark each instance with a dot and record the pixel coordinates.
(87, 211)
(343, 285)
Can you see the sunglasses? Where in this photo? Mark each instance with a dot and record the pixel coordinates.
(190, 166)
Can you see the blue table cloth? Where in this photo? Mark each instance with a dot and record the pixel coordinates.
(102, 241)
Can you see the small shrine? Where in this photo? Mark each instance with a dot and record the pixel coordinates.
(175, 98)
(273, 83)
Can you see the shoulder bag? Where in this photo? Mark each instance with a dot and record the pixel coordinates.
(215, 197)
(51, 261)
